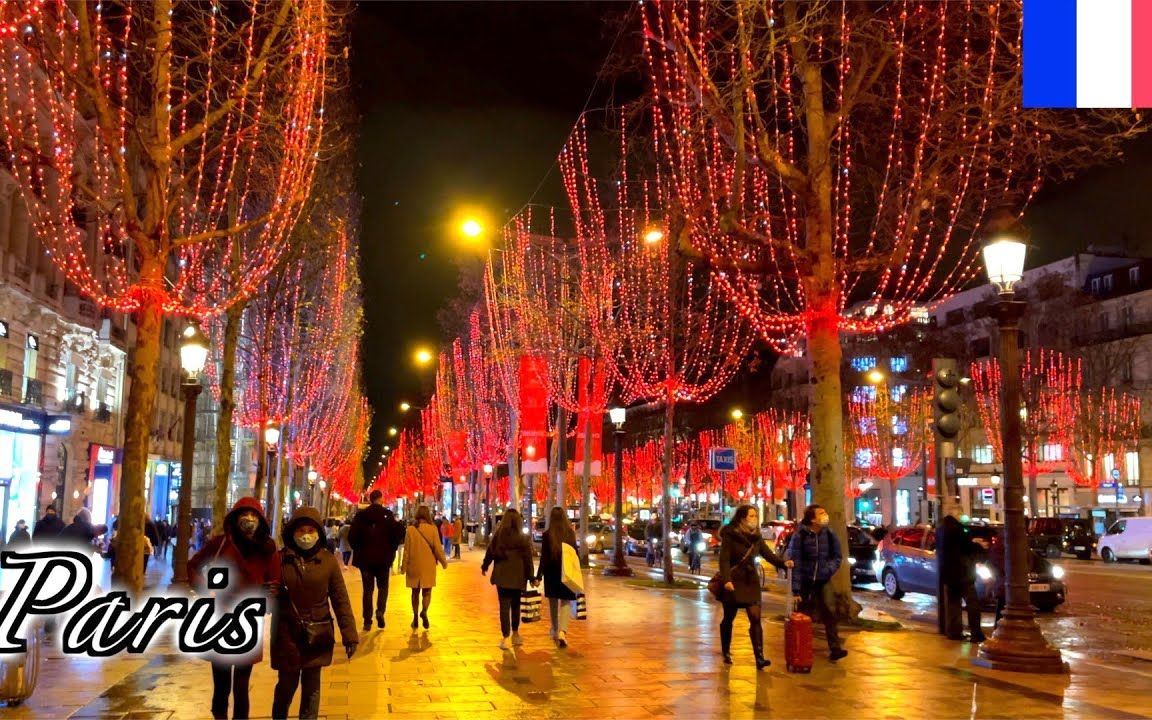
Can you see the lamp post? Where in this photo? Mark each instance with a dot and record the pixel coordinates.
(271, 439)
(619, 566)
(324, 497)
(312, 477)
(1017, 644)
(193, 356)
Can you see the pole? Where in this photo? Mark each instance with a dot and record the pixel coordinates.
(619, 566)
(1017, 644)
(184, 514)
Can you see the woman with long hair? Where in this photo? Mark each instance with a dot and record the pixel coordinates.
(510, 555)
(560, 598)
(740, 544)
(423, 551)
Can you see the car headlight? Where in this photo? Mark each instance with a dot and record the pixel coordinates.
(983, 572)
(851, 560)
(701, 547)
(590, 539)
(1057, 572)
(707, 536)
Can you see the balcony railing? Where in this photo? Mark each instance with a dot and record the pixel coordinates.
(1121, 332)
(6, 378)
(34, 392)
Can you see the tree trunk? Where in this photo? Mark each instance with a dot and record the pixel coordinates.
(827, 439)
(666, 497)
(888, 507)
(561, 459)
(585, 482)
(514, 462)
(142, 368)
(261, 469)
(223, 474)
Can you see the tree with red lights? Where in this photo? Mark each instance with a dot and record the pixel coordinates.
(888, 436)
(663, 328)
(151, 143)
(820, 154)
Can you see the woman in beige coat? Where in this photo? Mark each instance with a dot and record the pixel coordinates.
(422, 552)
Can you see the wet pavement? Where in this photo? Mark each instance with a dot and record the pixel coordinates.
(641, 653)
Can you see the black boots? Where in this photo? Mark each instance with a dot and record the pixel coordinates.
(726, 643)
(379, 621)
(756, 635)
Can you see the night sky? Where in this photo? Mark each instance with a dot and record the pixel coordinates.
(467, 104)
(462, 104)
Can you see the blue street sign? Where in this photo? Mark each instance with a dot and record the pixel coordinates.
(722, 459)
(1110, 485)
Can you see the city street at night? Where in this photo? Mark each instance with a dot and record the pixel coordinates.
(696, 359)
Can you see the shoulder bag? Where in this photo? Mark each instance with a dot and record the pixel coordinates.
(314, 634)
(716, 584)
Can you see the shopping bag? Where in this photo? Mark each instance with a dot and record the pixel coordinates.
(580, 608)
(570, 573)
(19, 672)
(530, 603)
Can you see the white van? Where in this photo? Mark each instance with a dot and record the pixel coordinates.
(1128, 539)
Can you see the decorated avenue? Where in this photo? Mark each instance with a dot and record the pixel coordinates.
(686, 359)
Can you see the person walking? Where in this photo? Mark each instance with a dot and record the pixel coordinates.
(247, 549)
(344, 543)
(740, 544)
(446, 531)
(696, 548)
(82, 532)
(311, 591)
(510, 556)
(457, 534)
(816, 552)
(560, 598)
(19, 535)
(49, 526)
(373, 538)
(421, 555)
(956, 554)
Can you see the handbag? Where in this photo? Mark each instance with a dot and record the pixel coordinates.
(570, 573)
(314, 634)
(580, 607)
(716, 584)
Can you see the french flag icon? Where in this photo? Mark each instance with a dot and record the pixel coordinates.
(1087, 53)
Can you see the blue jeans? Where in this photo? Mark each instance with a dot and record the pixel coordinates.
(447, 547)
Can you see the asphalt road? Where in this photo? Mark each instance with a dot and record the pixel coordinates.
(1108, 613)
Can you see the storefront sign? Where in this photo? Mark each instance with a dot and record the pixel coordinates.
(19, 422)
(967, 482)
(1110, 499)
(105, 455)
(59, 425)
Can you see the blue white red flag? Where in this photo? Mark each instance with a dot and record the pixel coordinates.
(1087, 53)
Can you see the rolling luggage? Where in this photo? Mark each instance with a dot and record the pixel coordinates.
(18, 673)
(797, 637)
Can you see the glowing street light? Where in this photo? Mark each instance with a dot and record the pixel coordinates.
(393, 432)
(405, 406)
(471, 228)
(737, 413)
(874, 376)
(653, 235)
(423, 356)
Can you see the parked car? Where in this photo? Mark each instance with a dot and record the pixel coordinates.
(771, 529)
(710, 528)
(906, 562)
(1128, 539)
(860, 556)
(635, 539)
(1053, 537)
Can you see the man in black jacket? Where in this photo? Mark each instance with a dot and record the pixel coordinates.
(374, 537)
(956, 553)
(49, 526)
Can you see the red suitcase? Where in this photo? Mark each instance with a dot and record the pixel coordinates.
(797, 637)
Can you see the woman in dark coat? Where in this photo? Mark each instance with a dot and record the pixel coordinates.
(560, 598)
(740, 544)
(248, 550)
(816, 551)
(511, 554)
(312, 589)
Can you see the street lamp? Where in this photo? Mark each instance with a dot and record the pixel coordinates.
(1017, 644)
(271, 439)
(737, 414)
(193, 357)
(619, 566)
(313, 476)
(393, 432)
(405, 406)
(423, 357)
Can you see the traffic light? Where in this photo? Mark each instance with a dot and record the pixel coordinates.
(946, 399)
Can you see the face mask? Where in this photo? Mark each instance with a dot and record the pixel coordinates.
(248, 525)
(749, 525)
(307, 540)
(822, 519)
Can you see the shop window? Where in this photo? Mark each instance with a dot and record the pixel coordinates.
(899, 364)
(898, 458)
(1052, 452)
(1134, 275)
(863, 363)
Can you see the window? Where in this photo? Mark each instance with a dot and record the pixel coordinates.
(71, 378)
(1052, 452)
(980, 348)
(1109, 464)
(954, 317)
(982, 454)
(863, 458)
(864, 393)
(1105, 321)
(1106, 283)
(31, 354)
(1126, 369)
(899, 363)
(1134, 275)
(898, 392)
(1095, 286)
(899, 425)
(1132, 467)
(1126, 316)
(898, 457)
(910, 537)
(863, 363)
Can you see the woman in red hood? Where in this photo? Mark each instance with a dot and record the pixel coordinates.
(246, 545)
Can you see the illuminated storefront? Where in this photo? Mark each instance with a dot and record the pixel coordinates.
(22, 432)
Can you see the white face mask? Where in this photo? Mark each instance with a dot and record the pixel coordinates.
(822, 519)
(307, 540)
(248, 526)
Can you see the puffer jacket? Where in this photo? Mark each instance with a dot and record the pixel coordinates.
(512, 557)
(817, 556)
(313, 585)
